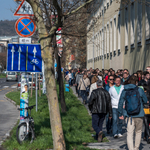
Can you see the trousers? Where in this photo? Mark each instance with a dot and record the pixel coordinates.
(137, 124)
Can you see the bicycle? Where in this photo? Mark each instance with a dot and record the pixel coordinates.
(25, 130)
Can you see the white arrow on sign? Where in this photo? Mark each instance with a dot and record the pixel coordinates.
(12, 63)
(34, 51)
(19, 51)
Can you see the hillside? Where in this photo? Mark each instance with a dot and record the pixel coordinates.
(7, 28)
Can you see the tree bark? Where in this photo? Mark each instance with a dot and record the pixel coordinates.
(61, 87)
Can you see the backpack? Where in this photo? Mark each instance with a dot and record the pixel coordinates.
(132, 103)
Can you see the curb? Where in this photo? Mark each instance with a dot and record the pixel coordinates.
(15, 122)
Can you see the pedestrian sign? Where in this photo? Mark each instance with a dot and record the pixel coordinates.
(24, 9)
(25, 27)
(24, 58)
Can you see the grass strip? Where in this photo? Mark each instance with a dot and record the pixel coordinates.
(2, 75)
(76, 125)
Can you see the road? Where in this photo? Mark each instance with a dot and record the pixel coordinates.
(8, 112)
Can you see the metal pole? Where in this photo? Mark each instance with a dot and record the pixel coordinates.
(103, 39)
(36, 94)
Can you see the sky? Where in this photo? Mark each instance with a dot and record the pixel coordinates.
(7, 9)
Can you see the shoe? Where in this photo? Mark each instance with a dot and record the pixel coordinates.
(120, 135)
(100, 136)
(116, 136)
(148, 141)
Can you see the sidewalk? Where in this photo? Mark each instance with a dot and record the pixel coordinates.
(117, 144)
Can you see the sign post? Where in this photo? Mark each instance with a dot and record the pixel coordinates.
(36, 94)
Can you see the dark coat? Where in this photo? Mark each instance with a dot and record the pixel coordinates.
(100, 102)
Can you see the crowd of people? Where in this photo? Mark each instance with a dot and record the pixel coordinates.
(117, 97)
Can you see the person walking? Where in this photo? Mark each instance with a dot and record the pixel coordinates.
(134, 99)
(115, 93)
(99, 105)
(107, 87)
(78, 77)
(83, 85)
(147, 115)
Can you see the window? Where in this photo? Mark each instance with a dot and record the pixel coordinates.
(111, 36)
(96, 45)
(114, 34)
(139, 25)
(107, 5)
(132, 23)
(126, 27)
(100, 46)
(95, 50)
(107, 38)
(147, 19)
(119, 32)
(102, 41)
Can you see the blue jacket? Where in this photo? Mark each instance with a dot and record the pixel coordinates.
(143, 99)
(107, 87)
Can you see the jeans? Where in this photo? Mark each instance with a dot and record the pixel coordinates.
(84, 95)
(117, 123)
(146, 123)
(108, 123)
(97, 122)
(70, 81)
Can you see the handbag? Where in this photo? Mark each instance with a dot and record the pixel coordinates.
(87, 88)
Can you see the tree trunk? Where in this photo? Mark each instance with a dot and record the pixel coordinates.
(54, 111)
(61, 87)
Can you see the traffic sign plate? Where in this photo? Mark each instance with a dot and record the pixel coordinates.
(25, 27)
(24, 9)
(24, 58)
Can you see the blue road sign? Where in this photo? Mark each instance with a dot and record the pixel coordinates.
(24, 58)
(25, 27)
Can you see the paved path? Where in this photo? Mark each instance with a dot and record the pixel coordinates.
(8, 112)
(119, 144)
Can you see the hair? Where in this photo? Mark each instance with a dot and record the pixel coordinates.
(132, 80)
(117, 77)
(110, 76)
(145, 73)
(99, 83)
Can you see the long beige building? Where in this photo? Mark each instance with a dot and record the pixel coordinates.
(118, 35)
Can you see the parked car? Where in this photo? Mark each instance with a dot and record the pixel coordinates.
(30, 83)
(4, 71)
(11, 76)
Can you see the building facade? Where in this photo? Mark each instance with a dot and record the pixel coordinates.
(118, 35)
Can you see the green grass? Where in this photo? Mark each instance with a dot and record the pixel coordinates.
(2, 75)
(76, 125)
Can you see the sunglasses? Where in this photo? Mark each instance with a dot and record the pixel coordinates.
(111, 79)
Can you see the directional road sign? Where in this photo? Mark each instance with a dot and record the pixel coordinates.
(24, 58)
(25, 27)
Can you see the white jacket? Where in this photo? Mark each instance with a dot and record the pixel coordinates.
(115, 96)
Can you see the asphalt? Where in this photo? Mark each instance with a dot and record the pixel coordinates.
(117, 144)
(8, 112)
